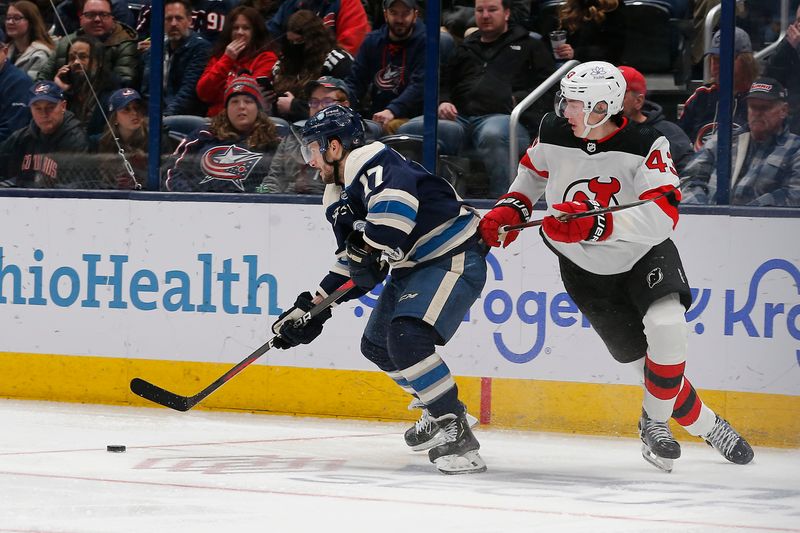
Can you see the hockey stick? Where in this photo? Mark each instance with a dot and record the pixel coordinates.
(156, 394)
(591, 213)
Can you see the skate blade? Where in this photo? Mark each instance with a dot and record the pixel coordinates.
(469, 463)
(659, 462)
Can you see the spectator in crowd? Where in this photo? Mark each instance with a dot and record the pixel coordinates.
(490, 72)
(69, 14)
(309, 51)
(14, 85)
(244, 46)
(128, 118)
(784, 66)
(48, 152)
(638, 109)
(118, 40)
(390, 67)
(208, 18)
(699, 116)
(766, 159)
(31, 45)
(185, 56)
(86, 83)
(595, 30)
(346, 19)
(289, 173)
(234, 153)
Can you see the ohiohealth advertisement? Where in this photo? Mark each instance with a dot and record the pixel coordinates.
(203, 281)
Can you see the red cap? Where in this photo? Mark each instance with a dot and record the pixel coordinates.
(244, 84)
(634, 80)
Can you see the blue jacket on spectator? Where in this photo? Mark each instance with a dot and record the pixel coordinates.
(188, 63)
(699, 117)
(204, 163)
(763, 174)
(391, 71)
(14, 112)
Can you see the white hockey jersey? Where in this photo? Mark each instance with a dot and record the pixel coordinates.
(631, 164)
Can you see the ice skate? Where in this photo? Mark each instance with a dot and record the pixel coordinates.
(459, 454)
(659, 447)
(729, 443)
(426, 433)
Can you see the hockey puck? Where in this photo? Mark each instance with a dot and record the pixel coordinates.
(115, 448)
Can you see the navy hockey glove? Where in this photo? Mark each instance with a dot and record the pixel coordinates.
(366, 267)
(290, 335)
(511, 208)
(592, 229)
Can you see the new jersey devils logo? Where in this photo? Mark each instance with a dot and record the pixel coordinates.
(654, 277)
(601, 189)
(229, 163)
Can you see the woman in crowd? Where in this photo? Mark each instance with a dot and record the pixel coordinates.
(128, 118)
(85, 80)
(30, 46)
(243, 46)
(595, 31)
(234, 153)
(308, 52)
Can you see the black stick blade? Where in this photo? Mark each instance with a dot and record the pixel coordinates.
(156, 394)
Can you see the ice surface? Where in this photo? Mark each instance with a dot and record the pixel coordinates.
(229, 472)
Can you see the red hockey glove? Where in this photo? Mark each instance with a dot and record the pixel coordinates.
(593, 229)
(511, 208)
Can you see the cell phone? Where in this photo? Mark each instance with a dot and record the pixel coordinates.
(265, 82)
(66, 77)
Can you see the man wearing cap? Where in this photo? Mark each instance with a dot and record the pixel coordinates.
(390, 67)
(288, 172)
(14, 85)
(784, 66)
(766, 159)
(699, 117)
(638, 109)
(46, 153)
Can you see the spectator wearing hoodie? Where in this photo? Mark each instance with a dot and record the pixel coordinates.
(118, 40)
(43, 154)
(14, 85)
(30, 44)
(390, 67)
(638, 109)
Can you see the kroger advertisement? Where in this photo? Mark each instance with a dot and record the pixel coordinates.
(202, 281)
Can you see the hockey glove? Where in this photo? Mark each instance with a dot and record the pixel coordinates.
(592, 229)
(511, 208)
(366, 267)
(289, 335)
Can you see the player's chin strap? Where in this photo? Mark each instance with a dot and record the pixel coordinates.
(565, 217)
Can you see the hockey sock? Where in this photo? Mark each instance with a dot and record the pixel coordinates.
(691, 413)
(432, 383)
(665, 329)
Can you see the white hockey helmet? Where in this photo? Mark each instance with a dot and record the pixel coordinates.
(593, 83)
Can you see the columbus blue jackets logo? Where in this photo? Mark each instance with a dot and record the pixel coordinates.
(229, 163)
(389, 78)
(601, 189)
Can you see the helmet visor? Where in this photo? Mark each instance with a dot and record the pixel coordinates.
(310, 150)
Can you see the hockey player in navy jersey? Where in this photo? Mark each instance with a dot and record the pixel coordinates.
(388, 212)
(622, 270)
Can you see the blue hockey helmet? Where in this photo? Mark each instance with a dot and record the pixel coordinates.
(334, 122)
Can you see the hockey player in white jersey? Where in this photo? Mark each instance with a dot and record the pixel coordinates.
(388, 211)
(621, 269)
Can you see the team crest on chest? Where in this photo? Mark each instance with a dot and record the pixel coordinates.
(602, 189)
(229, 163)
